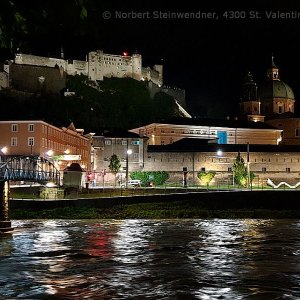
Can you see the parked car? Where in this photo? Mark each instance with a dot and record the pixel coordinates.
(132, 183)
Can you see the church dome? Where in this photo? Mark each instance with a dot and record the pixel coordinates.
(275, 89)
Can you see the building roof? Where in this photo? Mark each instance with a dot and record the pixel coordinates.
(197, 145)
(75, 167)
(275, 89)
(121, 133)
(231, 123)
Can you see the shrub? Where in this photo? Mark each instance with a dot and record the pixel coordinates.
(157, 177)
(206, 177)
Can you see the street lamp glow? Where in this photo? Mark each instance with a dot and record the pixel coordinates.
(4, 150)
(219, 152)
(49, 152)
(128, 152)
(67, 151)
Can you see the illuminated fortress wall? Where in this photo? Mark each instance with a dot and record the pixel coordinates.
(99, 65)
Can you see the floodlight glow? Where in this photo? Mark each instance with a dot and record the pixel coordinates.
(4, 150)
(49, 152)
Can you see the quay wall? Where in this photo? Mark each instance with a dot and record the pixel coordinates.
(215, 200)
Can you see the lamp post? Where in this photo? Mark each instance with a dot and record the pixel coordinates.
(5, 223)
(128, 152)
(248, 167)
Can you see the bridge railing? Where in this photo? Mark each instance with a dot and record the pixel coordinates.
(28, 168)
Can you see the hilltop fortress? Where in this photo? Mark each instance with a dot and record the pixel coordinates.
(31, 73)
(98, 65)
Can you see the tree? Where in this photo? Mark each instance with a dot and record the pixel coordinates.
(114, 165)
(206, 177)
(240, 171)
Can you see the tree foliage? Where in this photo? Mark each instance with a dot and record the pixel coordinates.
(206, 177)
(113, 103)
(114, 165)
(240, 172)
(157, 177)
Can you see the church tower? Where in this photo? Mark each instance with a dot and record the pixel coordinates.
(250, 104)
(276, 96)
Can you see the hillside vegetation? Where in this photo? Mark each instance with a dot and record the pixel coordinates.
(112, 103)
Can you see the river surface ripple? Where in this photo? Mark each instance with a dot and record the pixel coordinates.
(151, 259)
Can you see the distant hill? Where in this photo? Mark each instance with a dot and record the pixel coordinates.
(112, 103)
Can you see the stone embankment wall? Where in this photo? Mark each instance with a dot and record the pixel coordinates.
(221, 200)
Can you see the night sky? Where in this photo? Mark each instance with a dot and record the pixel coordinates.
(206, 57)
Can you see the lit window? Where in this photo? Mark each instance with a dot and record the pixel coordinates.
(124, 143)
(31, 141)
(31, 127)
(14, 127)
(108, 142)
(14, 141)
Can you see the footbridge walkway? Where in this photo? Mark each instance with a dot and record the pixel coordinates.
(22, 168)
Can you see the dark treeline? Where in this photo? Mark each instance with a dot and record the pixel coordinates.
(115, 103)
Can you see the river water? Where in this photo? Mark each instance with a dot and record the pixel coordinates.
(151, 259)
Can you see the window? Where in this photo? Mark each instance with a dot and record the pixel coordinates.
(297, 132)
(14, 127)
(14, 141)
(124, 143)
(135, 142)
(31, 141)
(229, 169)
(31, 127)
(264, 170)
(288, 170)
(202, 169)
(107, 142)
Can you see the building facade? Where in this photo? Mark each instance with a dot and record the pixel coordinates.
(279, 163)
(273, 102)
(219, 131)
(129, 147)
(276, 96)
(38, 138)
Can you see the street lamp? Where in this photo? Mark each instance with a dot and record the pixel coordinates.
(248, 168)
(4, 151)
(49, 153)
(128, 152)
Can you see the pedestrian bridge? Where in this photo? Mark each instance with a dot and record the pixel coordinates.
(28, 168)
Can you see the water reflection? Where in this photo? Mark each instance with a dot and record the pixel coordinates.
(151, 259)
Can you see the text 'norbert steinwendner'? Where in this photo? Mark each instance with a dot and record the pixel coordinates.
(157, 14)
